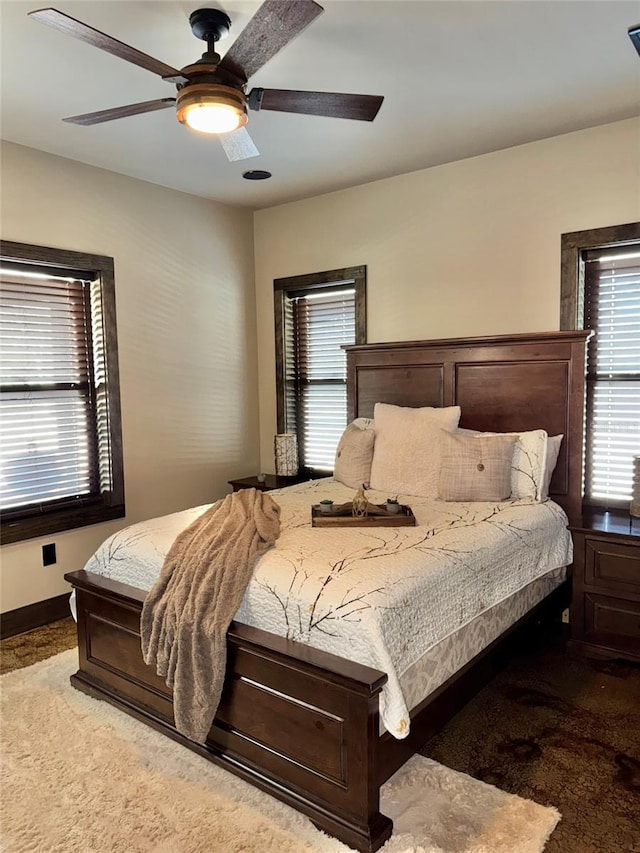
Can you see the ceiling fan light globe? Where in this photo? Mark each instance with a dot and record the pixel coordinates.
(214, 118)
(211, 108)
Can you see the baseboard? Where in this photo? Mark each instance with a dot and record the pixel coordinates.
(34, 615)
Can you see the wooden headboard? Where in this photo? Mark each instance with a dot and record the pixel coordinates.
(509, 383)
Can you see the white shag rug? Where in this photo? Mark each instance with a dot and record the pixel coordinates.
(79, 775)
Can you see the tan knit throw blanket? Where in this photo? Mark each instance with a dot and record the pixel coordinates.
(186, 614)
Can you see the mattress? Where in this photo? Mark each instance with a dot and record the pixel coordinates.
(384, 597)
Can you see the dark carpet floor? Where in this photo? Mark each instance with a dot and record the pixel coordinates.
(26, 649)
(561, 732)
(558, 731)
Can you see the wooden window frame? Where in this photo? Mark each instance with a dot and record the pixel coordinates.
(574, 244)
(574, 247)
(110, 503)
(355, 277)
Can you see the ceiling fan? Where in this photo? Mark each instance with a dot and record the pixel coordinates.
(211, 93)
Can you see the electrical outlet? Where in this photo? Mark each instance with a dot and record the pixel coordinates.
(565, 616)
(49, 554)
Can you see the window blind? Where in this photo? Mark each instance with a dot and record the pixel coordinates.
(319, 324)
(612, 310)
(49, 448)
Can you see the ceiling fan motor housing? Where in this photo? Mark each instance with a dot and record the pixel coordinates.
(209, 24)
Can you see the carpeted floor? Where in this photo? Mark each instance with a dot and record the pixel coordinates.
(561, 732)
(26, 649)
(558, 731)
(106, 783)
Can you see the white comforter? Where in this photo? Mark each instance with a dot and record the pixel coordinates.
(378, 596)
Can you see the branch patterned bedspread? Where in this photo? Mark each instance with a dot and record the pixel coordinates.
(378, 596)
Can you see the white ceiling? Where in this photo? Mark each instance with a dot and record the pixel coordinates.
(460, 78)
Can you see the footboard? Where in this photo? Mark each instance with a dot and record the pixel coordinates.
(299, 723)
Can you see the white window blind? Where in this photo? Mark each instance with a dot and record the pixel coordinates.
(318, 324)
(49, 453)
(612, 310)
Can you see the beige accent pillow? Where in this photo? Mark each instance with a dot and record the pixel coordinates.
(354, 454)
(476, 468)
(529, 461)
(406, 456)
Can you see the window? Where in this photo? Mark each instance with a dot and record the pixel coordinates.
(601, 291)
(61, 457)
(316, 315)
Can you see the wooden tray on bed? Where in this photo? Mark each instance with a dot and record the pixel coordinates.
(378, 516)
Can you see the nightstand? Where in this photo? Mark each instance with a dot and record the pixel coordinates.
(605, 605)
(271, 481)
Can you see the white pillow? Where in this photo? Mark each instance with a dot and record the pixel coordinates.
(406, 455)
(553, 450)
(529, 462)
(354, 454)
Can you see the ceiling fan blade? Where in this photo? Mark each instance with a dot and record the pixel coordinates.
(238, 145)
(121, 112)
(331, 104)
(72, 27)
(275, 24)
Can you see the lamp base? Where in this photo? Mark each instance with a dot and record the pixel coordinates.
(285, 446)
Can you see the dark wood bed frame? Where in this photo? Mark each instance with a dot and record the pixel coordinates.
(297, 722)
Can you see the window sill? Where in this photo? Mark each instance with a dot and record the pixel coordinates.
(17, 530)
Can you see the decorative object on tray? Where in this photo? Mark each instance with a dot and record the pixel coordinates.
(342, 515)
(326, 505)
(634, 508)
(360, 503)
(285, 447)
(392, 505)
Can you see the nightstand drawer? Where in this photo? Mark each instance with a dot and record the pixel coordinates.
(612, 564)
(612, 621)
(605, 608)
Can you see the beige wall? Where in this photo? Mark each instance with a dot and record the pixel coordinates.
(469, 248)
(186, 330)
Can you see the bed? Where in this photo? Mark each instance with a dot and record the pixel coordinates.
(304, 723)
